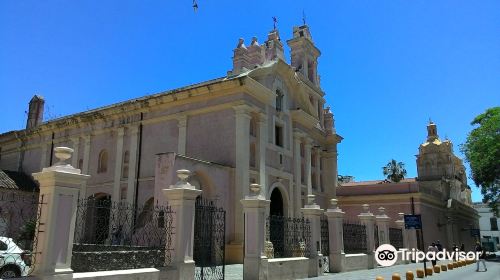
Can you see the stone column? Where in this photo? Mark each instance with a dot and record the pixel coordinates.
(382, 221)
(313, 213)
(368, 220)
(74, 158)
(182, 125)
(43, 158)
(330, 171)
(181, 197)
(86, 161)
(59, 187)
(317, 151)
(449, 231)
(336, 237)
(262, 152)
(254, 206)
(297, 172)
(242, 178)
(132, 166)
(307, 154)
(115, 196)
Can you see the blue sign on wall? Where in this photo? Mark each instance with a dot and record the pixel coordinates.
(474, 232)
(413, 221)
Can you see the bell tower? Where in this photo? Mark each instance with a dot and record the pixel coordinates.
(304, 54)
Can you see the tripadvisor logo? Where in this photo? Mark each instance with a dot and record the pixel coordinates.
(387, 255)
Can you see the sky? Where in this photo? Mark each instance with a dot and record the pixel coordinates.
(387, 67)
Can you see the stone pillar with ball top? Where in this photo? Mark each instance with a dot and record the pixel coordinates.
(336, 236)
(59, 190)
(382, 221)
(181, 197)
(368, 220)
(254, 207)
(313, 213)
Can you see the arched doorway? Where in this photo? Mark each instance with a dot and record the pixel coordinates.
(276, 208)
(97, 220)
(276, 223)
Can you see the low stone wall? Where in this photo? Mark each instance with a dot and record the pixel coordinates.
(285, 268)
(356, 262)
(91, 258)
(130, 274)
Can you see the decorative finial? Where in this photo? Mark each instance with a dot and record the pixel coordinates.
(366, 208)
(303, 17)
(381, 211)
(254, 41)
(183, 175)
(62, 154)
(195, 5)
(255, 189)
(310, 199)
(334, 203)
(275, 22)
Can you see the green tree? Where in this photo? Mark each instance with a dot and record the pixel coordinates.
(394, 171)
(482, 151)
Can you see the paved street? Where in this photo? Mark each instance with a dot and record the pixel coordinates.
(466, 272)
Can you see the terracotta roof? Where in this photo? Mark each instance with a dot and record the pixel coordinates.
(375, 182)
(17, 181)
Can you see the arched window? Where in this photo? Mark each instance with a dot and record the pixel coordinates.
(126, 158)
(102, 165)
(279, 100)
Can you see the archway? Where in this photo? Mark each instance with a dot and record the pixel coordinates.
(276, 223)
(276, 207)
(97, 220)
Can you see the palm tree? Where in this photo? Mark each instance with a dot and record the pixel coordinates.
(394, 171)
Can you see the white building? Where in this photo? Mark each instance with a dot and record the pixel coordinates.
(488, 224)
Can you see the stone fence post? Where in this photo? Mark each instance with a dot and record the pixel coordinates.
(336, 237)
(181, 197)
(313, 213)
(59, 188)
(401, 225)
(254, 207)
(382, 221)
(368, 220)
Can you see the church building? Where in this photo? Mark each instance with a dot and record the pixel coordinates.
(439, 193)
(264, 122)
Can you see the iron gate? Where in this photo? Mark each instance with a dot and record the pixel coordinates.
(209, 239)
(354, 238)
(396, 237)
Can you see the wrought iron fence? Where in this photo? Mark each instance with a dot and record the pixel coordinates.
(325, 243)
(209, 239)
(19, 213)
(291, 237)
(396, 237)
(354, 238)
(121, 234)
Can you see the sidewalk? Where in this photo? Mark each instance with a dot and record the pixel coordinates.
(465, 272)
(235, 271)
